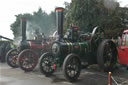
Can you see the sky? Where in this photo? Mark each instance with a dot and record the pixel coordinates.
(10, 8)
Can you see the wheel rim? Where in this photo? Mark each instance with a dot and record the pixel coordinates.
(47, 64)
(72, 67)
(28, 60)
(13, 58)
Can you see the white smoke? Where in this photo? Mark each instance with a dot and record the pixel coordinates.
(30, 31)
(17, 40)
(110, 4)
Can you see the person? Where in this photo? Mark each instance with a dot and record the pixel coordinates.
(4, 48)
(38, 36)
(72, 33)
(43, 37)
(118, 41)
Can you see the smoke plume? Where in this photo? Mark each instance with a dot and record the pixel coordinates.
(110, 4)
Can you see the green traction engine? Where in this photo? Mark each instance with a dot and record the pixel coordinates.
(73, 55)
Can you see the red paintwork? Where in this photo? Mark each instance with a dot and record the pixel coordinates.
(35, 45)
(123, 51)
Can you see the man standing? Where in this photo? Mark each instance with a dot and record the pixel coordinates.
(72, 33)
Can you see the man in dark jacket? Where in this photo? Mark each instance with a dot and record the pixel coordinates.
(72, 33)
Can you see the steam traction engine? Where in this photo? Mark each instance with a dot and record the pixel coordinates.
(26, 55)
(90, 48)
(5, 45)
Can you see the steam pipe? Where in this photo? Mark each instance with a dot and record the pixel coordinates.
(59, 21)
(23, 27)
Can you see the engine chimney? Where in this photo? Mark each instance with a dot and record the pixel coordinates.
(23, 27)
(59, 21)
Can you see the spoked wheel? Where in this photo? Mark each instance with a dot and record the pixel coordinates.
(11, 58)
(71, 67)
(46, 64)
(107, 55)
(27, 60)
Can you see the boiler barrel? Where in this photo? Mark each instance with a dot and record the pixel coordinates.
(66, 47)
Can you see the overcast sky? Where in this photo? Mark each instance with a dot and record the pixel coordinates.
(9, 8)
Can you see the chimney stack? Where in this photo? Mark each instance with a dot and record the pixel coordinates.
(59, 21)
(23, 27)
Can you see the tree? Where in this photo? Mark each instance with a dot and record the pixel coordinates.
(15, 27)
(38, 20)
(87, 14)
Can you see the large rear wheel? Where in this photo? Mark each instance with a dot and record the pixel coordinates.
(27, 60)
(71, 67)
(107, 55)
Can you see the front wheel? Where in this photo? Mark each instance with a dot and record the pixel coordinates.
(11, 58)
(71, 67)
(27, 60)
(46, 64)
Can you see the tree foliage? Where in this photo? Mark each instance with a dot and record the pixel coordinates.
(86, 14)
(40, 20)
(103, 13)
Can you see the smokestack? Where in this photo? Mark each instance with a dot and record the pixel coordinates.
(59, 21)
(23, 27)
